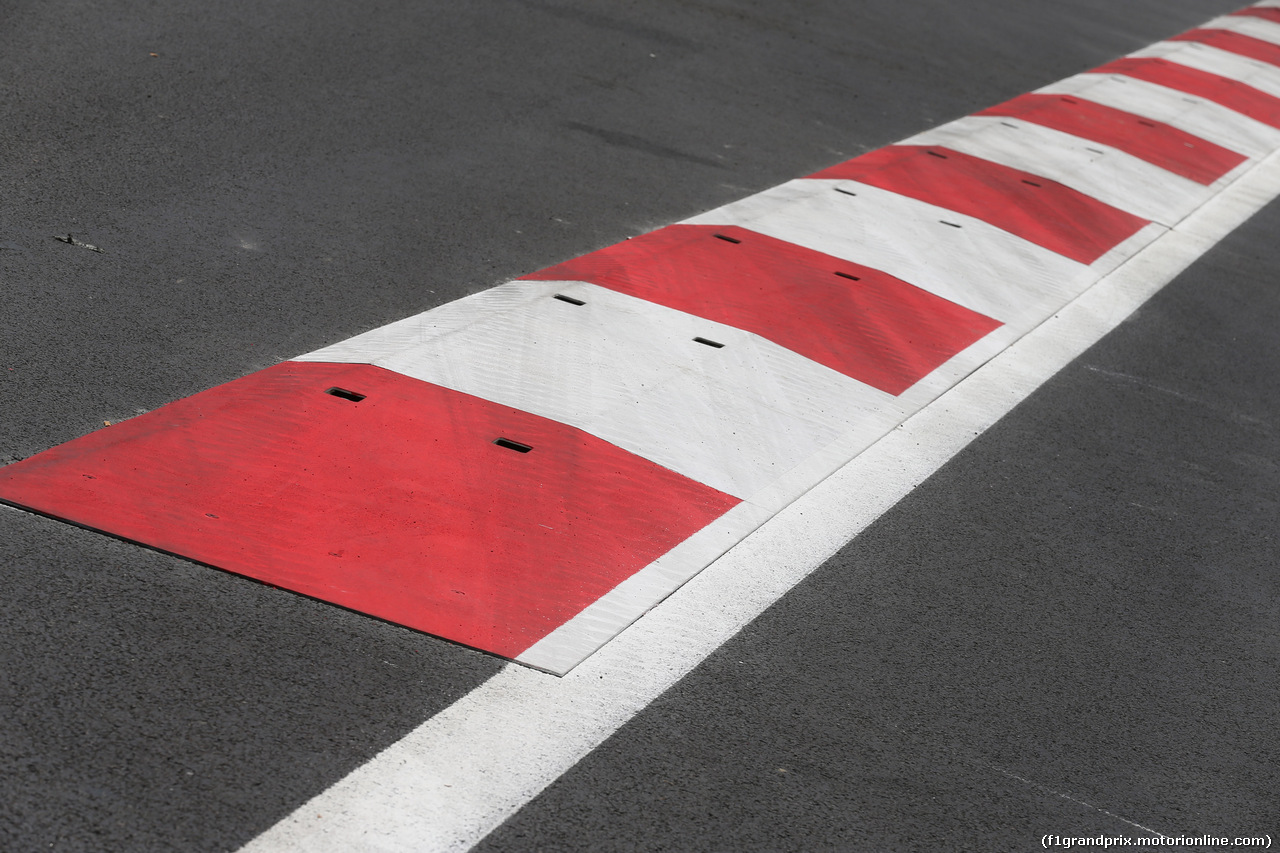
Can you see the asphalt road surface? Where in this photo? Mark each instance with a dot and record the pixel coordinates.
(1070, 629)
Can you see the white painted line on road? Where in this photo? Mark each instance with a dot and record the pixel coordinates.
(465, 770)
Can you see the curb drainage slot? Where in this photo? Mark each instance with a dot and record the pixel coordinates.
(1030, 183)
(569, 299)
(513, 445)
(345, 394)
(715, 344)
(952, 224)
(848, 276)
(727, 239)
(846, 192)
(936, 154)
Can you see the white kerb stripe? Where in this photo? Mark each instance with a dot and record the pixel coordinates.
(976, 265)
(1206, 119)
(629, 371)
(1245, 25)
(1100, 171)
(1260, 75)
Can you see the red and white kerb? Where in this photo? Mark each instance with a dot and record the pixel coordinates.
(529, 469)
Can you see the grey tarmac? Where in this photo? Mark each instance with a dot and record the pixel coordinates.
(1070, 629)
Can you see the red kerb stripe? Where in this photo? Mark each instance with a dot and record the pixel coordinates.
(854, 319)
(1267, 13)
(1037, 209)
(399, 505)
(1263, 51)
(1156, 142)
(1231, 94)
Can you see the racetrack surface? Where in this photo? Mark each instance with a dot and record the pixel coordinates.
(1069, 629)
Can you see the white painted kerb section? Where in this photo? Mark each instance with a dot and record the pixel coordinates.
(1099, 171)
(735, 417)
(1247, 25)
(1197, 116)
(1202, 57)
(960, 258)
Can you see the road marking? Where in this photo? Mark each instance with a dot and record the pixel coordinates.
(1252, 27)
(1136, 185)
(978, 265)
(1263, 10)
(1202, 57)
(460, 774)
(1157, 143)
(1196, 115)
(1026, 204)
(852, 318)
(311, 477)
(1235, 41)
(1210, 85)
(623, 420)
(736, 358)
(631, 372)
